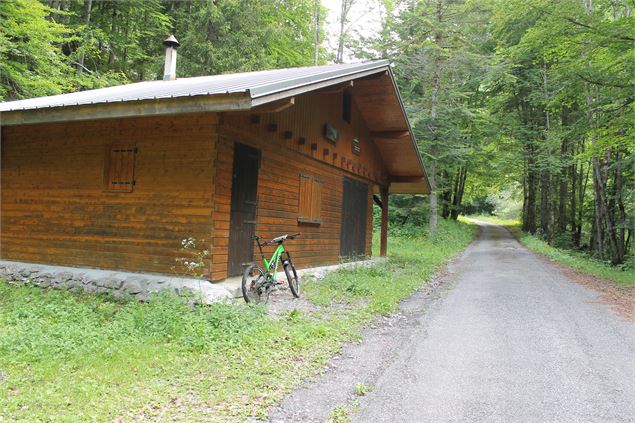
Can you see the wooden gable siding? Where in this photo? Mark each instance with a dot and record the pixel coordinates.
(55, 209)
(284, 158)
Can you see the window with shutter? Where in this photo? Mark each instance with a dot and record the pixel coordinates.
(310, 200)
(119, 168)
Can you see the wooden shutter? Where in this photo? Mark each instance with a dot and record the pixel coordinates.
(304, 206)
(119, 168)
(310, 199)
(316, 200)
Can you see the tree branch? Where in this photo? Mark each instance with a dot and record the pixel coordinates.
(604, 84)
(592, 28)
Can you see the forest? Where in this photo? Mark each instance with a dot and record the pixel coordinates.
(521, 108)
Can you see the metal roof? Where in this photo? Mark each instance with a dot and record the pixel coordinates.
(255, 84)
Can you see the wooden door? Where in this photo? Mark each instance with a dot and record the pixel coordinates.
(354, 218)
(242, 222)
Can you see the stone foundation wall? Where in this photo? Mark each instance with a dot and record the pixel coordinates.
(140, 286)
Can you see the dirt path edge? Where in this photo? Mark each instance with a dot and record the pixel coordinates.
(362, 363)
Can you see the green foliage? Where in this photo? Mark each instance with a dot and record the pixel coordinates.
(339, 415)
(31, 60)
(579, 260)
(563, 92)
(526, 105)
(239, 35)
(362, 389)
(51, 47)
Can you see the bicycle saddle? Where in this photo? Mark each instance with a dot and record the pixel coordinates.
(280, 238)
(284, 237)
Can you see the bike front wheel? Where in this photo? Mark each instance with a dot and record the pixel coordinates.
(292, 278)
(254, 285)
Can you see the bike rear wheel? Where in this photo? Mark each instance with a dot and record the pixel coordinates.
(254, 285)
(292, 278)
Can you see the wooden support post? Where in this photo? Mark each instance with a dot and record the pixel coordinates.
(383, 246)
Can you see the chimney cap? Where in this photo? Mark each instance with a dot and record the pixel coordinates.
(171, 41)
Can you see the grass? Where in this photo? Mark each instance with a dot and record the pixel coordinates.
(339, 415)
(575, 259)
(75, 357)
(362, 389)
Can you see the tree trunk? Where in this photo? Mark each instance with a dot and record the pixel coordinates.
(113, 27)
(436, 87)
(545, 205)
(88, 7)
(449, 188)
(562, 197)
(524, 212)
(346, 7)
(529, 218)
(621, 244)
(603, 216)
(573, 174)
(545, 173)
(582, 185)
(316, 31)
(458, 196)
(601, 200)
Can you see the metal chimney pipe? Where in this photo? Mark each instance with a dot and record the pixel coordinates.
(169, 71)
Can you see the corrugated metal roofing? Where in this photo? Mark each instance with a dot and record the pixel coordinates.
(256, 84)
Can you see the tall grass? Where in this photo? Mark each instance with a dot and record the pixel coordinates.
(75, 357)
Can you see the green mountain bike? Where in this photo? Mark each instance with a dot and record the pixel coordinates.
(258, 282)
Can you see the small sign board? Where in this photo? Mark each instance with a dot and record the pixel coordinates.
(357, 149)
(331, 133)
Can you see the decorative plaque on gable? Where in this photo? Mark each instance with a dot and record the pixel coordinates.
(357, 149)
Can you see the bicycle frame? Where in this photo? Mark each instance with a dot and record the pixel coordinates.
(271, 265)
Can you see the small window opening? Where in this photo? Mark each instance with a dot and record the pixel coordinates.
(347, 105)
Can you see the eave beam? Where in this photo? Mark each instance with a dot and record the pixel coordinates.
(390, 134)
(406, 179)
(337, 88)
(158, 107)
(276, 106)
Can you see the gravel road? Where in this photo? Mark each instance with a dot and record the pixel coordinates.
(505, 337)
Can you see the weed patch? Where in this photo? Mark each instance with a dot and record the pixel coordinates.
(578, 260)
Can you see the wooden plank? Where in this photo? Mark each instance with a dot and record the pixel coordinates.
(54, 210)
(383, 247)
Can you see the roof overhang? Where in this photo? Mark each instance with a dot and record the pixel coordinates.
(379, 101)
(123, 109)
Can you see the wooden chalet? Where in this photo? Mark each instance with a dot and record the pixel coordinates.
(115, 178)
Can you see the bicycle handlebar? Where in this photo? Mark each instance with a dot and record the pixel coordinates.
(274, 240)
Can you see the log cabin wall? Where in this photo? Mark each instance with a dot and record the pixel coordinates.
(54, 208)
(292, 142)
